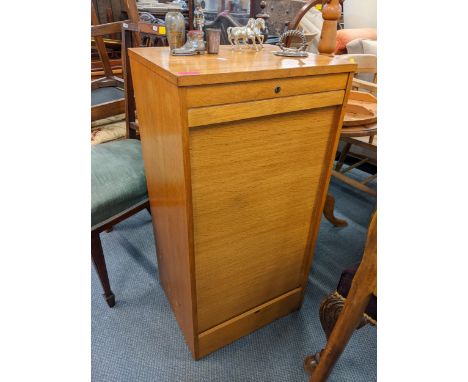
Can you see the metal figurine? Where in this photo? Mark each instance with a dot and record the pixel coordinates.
(259, 25)
(199, 15)
(237, 34)
(251, 32)
(194, 45)
(292, 52)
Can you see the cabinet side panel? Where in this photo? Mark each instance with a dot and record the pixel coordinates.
(162, 130)
(323, 185)
(254, 186)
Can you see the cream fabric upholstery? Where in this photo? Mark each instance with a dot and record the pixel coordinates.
(355, 46)
(369, 47)
(362, 46)
(364, 53)
(311, 25)
(108, 129)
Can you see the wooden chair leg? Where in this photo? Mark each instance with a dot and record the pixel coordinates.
(363, 287)
(97, 256)
(328, 212)
(342, 156)
(348, 321)
(330, 310)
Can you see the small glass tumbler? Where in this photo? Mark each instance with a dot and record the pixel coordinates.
(213, 37)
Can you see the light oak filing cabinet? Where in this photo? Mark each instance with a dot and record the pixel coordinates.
(238, 149)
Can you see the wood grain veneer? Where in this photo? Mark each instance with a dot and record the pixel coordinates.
(244, 200)
(249, 321)
(232, 65)
(280, 87)
(236, 186)
(164, 141)
(224, 113)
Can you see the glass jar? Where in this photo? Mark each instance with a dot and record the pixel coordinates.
(175, 29)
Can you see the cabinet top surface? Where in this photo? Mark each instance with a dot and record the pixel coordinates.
(232, 65)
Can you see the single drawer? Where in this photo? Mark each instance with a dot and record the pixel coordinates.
(197, 96)
(208, 115)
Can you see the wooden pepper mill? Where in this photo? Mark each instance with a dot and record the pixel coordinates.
(331, 12)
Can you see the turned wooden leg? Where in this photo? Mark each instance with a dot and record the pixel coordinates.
(97, 256)
(363, 288)
(330, 310)
(348, 321)
(328, 212)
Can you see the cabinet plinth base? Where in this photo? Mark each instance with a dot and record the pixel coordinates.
(237, 327)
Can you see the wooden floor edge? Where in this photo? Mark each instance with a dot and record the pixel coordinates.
(245, 323)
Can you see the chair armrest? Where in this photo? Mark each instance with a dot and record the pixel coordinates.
(357, 83)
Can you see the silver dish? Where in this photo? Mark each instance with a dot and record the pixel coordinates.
(292, 52)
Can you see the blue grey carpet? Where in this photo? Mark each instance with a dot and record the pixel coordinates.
(139, 340)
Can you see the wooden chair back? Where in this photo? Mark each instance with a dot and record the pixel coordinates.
(109, 79)
(116, 105)
(131, 31)
(367, 65)
(130, 38)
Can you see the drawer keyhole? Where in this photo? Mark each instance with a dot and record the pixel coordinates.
(277, 89)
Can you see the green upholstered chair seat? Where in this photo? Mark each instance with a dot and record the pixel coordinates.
(117, 178)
